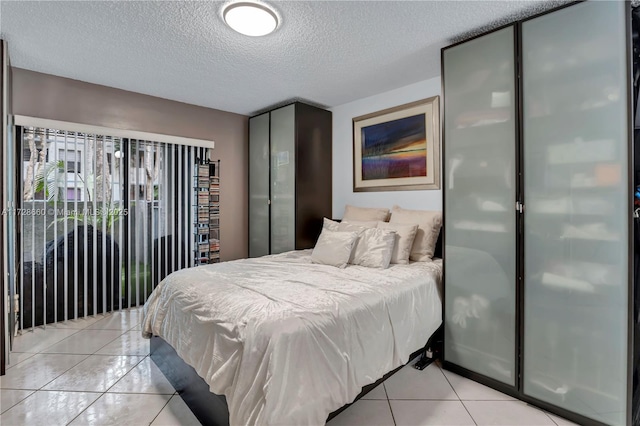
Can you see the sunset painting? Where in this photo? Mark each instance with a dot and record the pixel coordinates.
(395, 149)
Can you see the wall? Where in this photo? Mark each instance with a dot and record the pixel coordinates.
(343, 152)
(56, 98)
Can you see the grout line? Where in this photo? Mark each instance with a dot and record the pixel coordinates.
(61, 340)
(86, 408)
(32, 393)
(427, 399)
(459, 399)
(129, 371)
(137, 393)
(67, 370)
(70, 391)
(10, 366)
(110, 342)
(465, 407)
(162, 409)
(19, 389)
(554, 422)
(389, 402)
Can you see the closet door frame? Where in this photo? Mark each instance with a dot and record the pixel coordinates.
(268, 114)
(517, 390)
(630, 236)
(478, 377)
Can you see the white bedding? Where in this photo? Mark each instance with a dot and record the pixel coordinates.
(287, 341)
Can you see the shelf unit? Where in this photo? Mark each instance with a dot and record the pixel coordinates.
(207, 213)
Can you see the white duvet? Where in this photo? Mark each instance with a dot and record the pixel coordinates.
(287, 341)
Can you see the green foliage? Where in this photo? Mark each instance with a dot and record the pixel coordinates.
(48, 179)
(137, 281)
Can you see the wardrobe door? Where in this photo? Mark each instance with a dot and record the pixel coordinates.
(283, 179)
(575, 127)
(480, 199)
(259, 185)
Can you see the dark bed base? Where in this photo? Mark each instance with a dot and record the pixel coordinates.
(210, 408)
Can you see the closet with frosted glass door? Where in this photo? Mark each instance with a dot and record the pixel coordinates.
(538, 211)
(289, 178)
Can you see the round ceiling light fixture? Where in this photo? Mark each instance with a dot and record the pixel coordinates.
(248, 18)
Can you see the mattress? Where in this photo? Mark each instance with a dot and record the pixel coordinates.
(288, 341)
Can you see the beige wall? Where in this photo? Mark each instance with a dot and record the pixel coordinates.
(56, 98)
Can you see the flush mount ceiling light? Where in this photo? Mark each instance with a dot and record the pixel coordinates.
(252, 19)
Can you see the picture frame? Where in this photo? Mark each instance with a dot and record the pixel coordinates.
(398, 149)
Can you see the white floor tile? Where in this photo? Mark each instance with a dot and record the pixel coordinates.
(364, 413)
(423, 413)
(84, 342)
(468, 390)
(79, 323)
(38, 370)
(409, 383)
(122, 409)
(129, 343)
(145, 377)
(37, 339)
(561, 421)
(120, 320)
(10, 397)
(377, 393)
(17, 357)
(176, 413)
(95, 374)
(48, 408)
(507, 413)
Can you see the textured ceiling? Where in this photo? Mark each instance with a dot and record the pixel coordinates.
(326, 52)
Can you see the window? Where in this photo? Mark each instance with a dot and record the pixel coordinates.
(74, 194)
(72, 163)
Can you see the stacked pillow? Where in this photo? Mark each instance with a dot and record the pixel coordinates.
(334, 248)
(365, 238)
(429, 224)
(373, 247)
(365, 214)
(405, 235)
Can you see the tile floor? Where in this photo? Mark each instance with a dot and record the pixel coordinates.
(97, 371)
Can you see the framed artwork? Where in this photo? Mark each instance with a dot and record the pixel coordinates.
(398, 148)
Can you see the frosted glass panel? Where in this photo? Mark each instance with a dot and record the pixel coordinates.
(283, 186)
(575, 176)
(480, 249)
(259, 185)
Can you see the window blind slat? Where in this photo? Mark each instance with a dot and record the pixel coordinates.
(80, 184)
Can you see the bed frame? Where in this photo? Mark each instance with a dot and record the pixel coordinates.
(211, 409)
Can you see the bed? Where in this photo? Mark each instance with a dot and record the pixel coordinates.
(282, 340)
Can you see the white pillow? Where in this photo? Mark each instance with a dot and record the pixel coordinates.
(405, 234)
(429, 224)
(365, 213)
(363, 223)
(374, 248)
(329, 224)
(334, 248)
